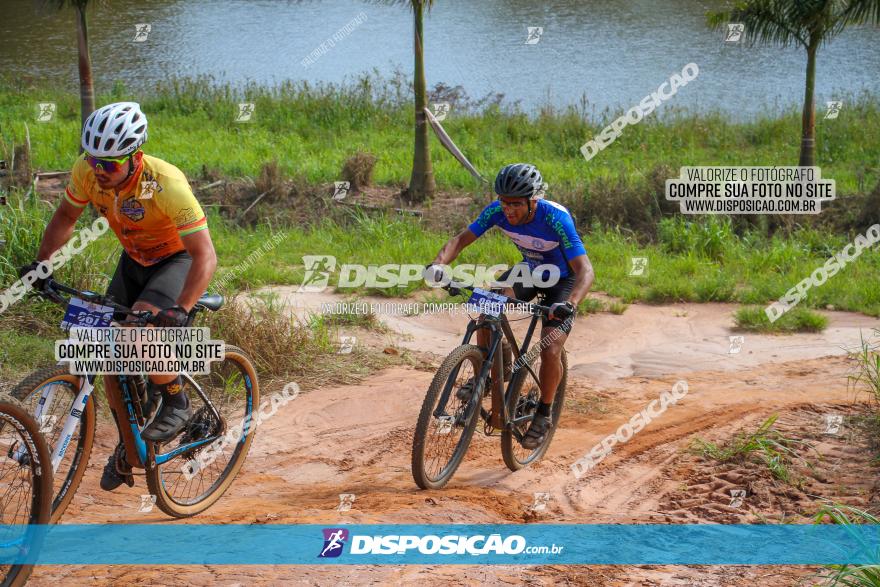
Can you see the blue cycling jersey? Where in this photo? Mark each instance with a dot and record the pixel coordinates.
(550, 238)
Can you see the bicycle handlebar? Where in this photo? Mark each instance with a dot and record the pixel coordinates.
(52, 288)
(455, 288)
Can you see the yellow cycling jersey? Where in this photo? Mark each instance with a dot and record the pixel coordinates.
(149, 213)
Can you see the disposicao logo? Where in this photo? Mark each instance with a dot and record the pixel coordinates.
(334, 541)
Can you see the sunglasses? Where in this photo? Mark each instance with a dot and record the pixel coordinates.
(516, 202)
(107, 165)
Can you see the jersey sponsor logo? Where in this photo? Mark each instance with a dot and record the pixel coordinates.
(185, 216)
(148, 188)
(149, 185)
(557, 227)
(485, 217)
(533, 243)
(133, 209)
(155, 249)
(532, 258)
(555, 223)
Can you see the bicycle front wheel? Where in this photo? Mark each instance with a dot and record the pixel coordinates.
(190, 482)
(57, 389)
(26, 487)
(448, 418)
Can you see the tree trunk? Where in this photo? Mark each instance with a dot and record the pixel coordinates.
(421, 184)
(808, 119)
(86, 88)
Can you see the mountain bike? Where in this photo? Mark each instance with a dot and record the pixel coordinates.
(228, 397)
(25, 487)
(454, 401)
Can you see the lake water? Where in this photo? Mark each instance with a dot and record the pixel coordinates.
(613, 52)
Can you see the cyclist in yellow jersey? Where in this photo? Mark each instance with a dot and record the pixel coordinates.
(168, 261)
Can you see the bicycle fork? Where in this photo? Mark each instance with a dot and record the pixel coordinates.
(495, 419)
(87, 385)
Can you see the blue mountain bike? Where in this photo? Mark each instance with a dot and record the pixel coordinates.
(182, 481)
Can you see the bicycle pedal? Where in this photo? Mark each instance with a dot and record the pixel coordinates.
(123, 469)
(127, 479)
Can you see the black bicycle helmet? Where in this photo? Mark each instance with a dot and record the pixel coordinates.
(518, 180)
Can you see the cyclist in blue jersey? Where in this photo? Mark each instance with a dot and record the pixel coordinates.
(544, 233)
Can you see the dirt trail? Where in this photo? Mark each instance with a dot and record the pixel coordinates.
(357, 438)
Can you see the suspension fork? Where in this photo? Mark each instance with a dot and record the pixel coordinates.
(472, 327)
(496, 365)
(87, 385)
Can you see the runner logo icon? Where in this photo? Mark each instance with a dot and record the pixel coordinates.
(334, 541)
(318, 268)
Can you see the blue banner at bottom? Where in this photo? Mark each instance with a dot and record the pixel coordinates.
(371, 544)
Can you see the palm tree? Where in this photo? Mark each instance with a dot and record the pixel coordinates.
(86, 87)
(808, 23)
(421, 182)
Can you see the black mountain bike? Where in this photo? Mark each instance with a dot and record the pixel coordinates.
(454, 401)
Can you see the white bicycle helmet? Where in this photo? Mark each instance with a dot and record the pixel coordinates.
(115, 130)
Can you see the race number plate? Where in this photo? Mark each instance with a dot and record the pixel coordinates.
(86, 315)
(487, 302)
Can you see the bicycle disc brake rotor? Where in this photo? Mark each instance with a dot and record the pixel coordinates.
(22, 457)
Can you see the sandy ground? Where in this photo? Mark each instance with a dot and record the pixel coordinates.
(357, 439)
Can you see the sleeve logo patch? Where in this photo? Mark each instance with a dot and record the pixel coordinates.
(185, 216)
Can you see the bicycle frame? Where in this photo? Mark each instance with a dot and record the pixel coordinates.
(135, 423)
(87, 386)
(499, 328)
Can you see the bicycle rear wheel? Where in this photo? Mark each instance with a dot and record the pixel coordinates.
(190, 482)
(25, 487)
(61, 388)
(522, 401)
(446, 422)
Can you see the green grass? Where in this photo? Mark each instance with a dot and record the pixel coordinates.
(313, 129)
(743, 272)
(350, 317)
(856, 575)
(753, 319)
(867, 372)
(590, 305)
(22, 223)
(749, 269)
(23, 352)
(766, 444)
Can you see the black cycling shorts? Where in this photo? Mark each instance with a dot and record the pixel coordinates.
(549, 296)
(158, 284)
